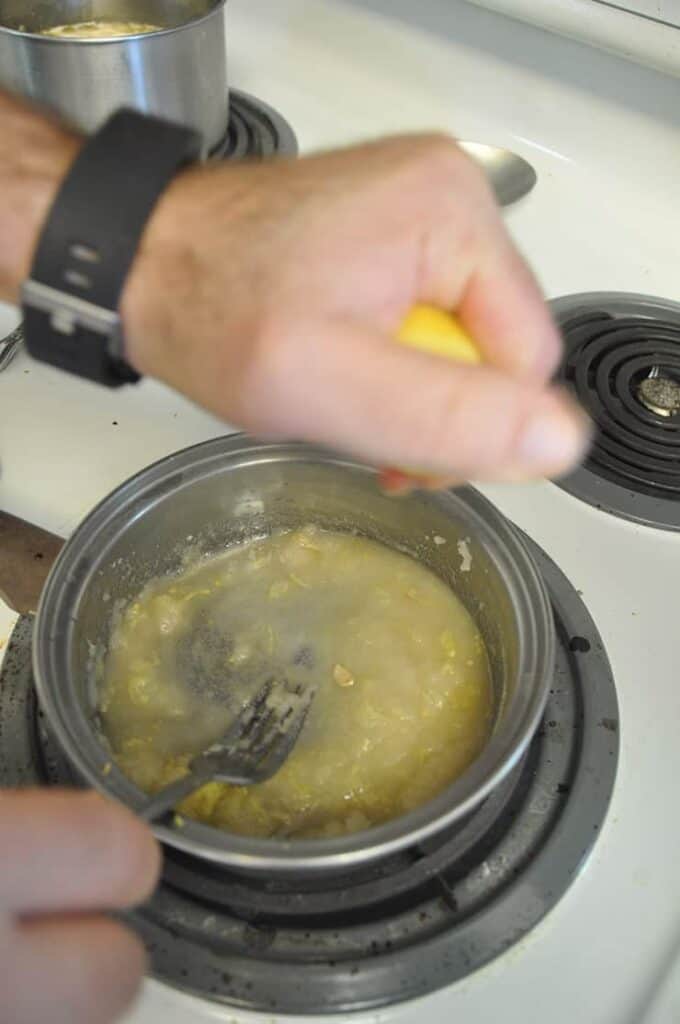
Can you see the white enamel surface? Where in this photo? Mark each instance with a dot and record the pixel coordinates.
(646, 31)
(603, 136)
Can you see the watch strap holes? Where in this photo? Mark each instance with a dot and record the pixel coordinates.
(78, 279)
(84, 253)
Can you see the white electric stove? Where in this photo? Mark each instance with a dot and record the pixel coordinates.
(604, 137)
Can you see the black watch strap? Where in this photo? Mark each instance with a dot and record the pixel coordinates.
(88, 243)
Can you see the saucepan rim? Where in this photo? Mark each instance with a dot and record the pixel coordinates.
(81, 558)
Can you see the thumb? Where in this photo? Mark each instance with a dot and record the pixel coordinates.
(342, 385)
(67, 851)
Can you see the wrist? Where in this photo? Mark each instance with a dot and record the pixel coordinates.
(167, 292)
(35, 155)
(146, 303)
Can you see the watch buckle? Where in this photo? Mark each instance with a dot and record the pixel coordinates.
(68, 312)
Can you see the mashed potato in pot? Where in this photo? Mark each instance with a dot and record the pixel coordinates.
(404, 701)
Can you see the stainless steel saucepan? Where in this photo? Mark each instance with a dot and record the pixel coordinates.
(178, 72)
(227, 490)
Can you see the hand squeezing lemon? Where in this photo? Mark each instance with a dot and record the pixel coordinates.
(439, 333)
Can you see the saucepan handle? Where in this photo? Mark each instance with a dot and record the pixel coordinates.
(26, 556)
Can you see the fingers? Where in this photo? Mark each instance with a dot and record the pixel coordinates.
(470, 265)
(503, 309)
(65, 851)
(360, 392)
(397, 483)
(69, 971)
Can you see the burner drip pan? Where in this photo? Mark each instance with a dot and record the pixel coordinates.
(622, 363)
(256, 131)
(402, 927)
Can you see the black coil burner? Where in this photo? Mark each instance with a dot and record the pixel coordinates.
(256, 131)
(622, 363)
(404, 926)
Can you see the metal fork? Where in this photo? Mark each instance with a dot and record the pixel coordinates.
(10, 345)
(252, 750)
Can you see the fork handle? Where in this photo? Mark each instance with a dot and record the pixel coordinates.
(203, 768)
(171, 795)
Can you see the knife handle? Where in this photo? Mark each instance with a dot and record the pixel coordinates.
(26, 556)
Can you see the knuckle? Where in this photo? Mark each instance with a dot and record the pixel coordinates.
(121, 849)
(440, 438)
(444, 161)
(102, 826)
(471, 428)
(451, 191)
(257, 378)
(438, 147)
(266, 377)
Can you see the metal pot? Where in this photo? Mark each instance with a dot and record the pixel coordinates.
(227, 490)
(179, 72)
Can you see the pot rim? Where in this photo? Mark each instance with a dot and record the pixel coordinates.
(133, 37)
(92, 759)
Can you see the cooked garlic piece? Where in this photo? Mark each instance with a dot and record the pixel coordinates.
(343, 676)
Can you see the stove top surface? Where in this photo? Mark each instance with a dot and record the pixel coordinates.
(604, 138)
(407, 925)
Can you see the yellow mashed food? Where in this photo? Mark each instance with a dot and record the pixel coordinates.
(404, 700)
(99, 29)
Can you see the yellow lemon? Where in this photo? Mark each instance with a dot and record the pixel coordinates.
(439, 333)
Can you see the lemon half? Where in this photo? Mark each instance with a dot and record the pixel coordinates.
(440, 333)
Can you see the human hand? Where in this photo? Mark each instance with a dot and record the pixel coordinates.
(269, 294)
(64, 859)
